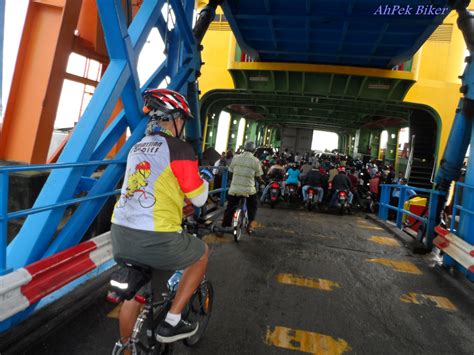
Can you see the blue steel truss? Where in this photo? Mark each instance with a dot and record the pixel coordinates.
(92, 140)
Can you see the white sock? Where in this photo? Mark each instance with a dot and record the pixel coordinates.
(172, 318)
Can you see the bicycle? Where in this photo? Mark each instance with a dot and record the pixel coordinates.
(240, 220)
(135, 277)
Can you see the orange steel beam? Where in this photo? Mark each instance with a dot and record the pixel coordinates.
(90, 40)
(47, 39)
(121, 141)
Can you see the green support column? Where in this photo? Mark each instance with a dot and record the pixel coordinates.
(246, 130)
(275, 137)
(211, 130)
(350, 144)
(346, 144)
(340, 143)
(364, 141)
(391, 152)
(276, 143)
(233, 130)
(268, 136)
(374, 144)
(252, 131)
(260, 132)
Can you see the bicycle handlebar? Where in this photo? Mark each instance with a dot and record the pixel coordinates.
(216, 229)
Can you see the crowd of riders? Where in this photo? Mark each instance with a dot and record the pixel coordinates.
(325, 173)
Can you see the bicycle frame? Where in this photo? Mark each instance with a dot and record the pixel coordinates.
(244, 204)
(146, 318)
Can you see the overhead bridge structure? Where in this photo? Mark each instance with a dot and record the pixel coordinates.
(348, 67)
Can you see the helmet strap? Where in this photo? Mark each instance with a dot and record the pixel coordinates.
(178, 134)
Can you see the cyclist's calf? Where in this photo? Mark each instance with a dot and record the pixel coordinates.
(192, 277)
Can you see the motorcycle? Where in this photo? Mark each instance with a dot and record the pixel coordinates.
(275, 191)
(342, 202)
(311, 199)
(292, 192)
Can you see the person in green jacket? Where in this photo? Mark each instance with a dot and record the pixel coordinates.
(245, 168)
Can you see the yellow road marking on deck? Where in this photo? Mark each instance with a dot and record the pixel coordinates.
(385, 241)
(321, 284)
(114, 313)
(367, 225)
(258, 225)
(213, 239)
(438, 301)
(308, 342)
(363, 221)
(371, 227)
(402, 266)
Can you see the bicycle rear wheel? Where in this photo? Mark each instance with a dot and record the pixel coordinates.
(199, 310)
(238, 224)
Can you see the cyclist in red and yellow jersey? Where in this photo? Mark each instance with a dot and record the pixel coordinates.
(161, 172)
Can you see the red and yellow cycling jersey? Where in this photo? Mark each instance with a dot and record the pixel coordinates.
(161, 172)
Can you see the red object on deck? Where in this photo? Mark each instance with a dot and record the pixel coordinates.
(441, 231)
(441, 242)
(418, 210)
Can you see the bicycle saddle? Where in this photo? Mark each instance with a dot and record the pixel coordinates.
(132, 264)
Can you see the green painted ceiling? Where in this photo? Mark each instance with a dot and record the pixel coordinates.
(333, 102)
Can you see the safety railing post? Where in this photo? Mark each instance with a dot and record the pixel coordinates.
(3, 221)
(432, 217)
(455, 208)
(401, 203)
(384, 200)
(225, 176)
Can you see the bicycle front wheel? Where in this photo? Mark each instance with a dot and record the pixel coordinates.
(199, 310)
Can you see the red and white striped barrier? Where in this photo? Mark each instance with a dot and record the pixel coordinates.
(455, 247)
(26, 286)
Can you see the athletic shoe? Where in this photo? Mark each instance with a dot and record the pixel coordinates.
(166, 333)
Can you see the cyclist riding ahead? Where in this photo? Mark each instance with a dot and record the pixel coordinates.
(245, 168)
(153, 235)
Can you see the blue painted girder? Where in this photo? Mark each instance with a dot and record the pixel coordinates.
(341, 32)
(91, 140)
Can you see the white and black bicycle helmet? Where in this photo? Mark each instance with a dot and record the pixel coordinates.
(165, 105)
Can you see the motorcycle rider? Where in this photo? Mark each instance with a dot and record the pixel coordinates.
(293, 175)
(245, 168)
(354, 177)
(341, 183)
(332, 172)
(306, 167)
(222, 162)
(318, 181)
(276, 172)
